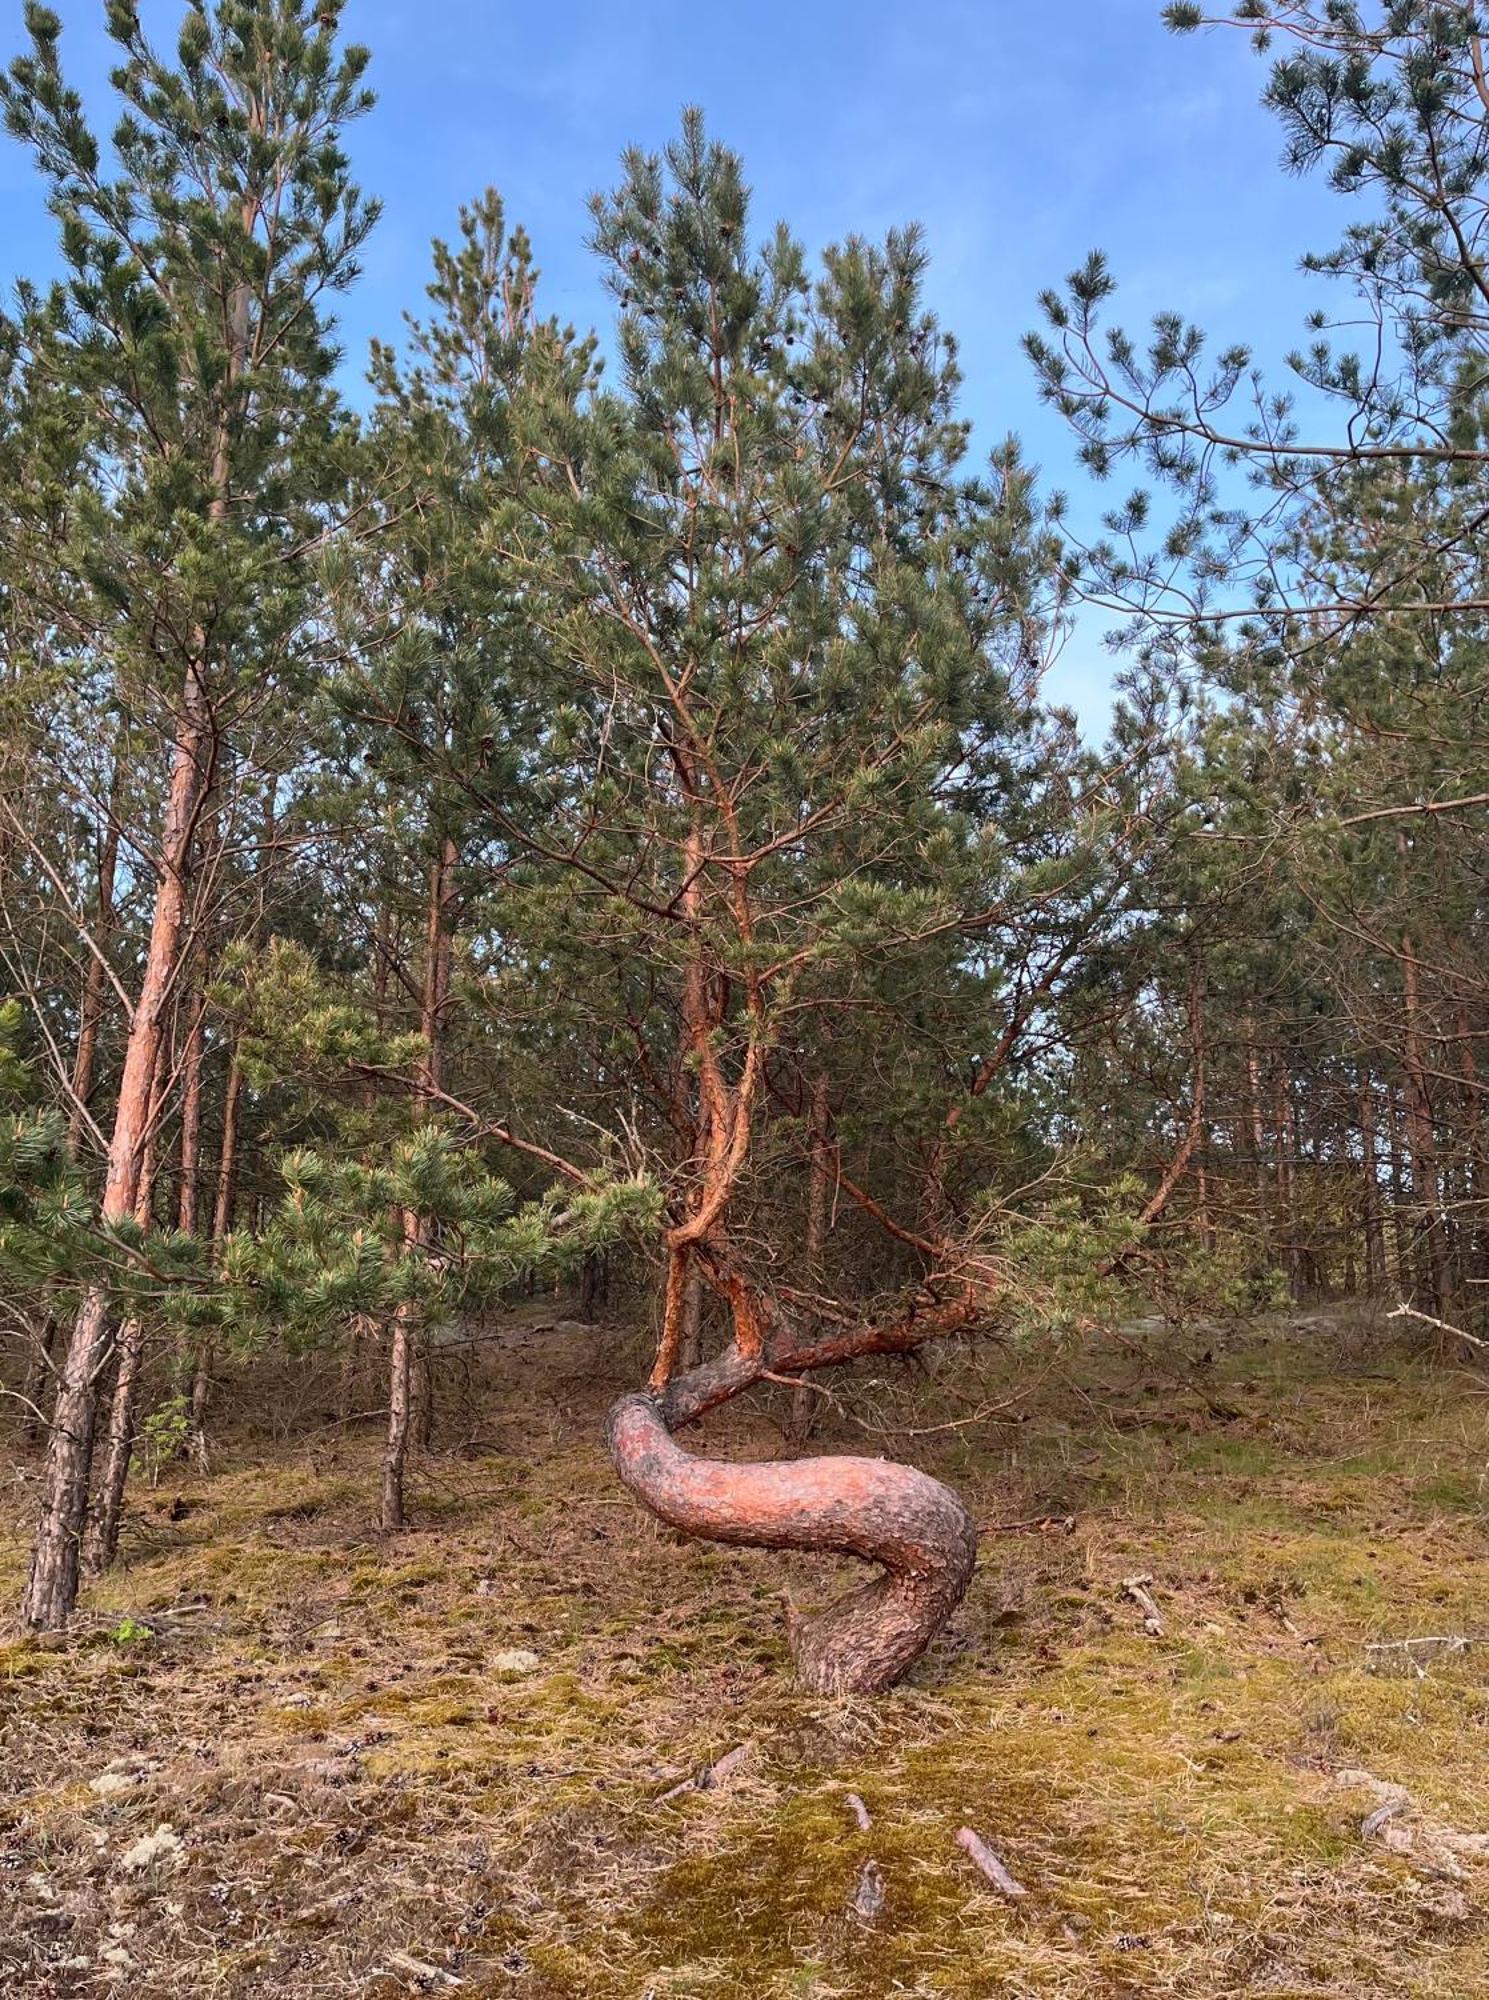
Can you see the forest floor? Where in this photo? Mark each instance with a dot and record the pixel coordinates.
(283, 1755)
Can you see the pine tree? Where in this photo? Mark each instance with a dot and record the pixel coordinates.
(192, 325)
(794, 648)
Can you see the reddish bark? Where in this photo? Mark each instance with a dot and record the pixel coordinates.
(870, 1508)
(912, 1525)
(102, 1541)
(52, 1586)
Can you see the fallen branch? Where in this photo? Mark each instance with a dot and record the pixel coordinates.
(1400, 1825)
(983, 1857)
(712, 1774)
(1442, 1325)
(868, 1898)
(1136, 1587)
(1417, 1653)
(420, 1969)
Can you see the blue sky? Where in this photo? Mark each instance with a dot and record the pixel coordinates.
(1020, 135)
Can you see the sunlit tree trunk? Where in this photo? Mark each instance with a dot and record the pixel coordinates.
(915, 1528)
(52, 1586)
(101, 1543)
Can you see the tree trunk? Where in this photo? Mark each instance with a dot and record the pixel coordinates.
(589, 1286)
(34, 1389)
(1422, 1139)
(690, 1353)
(1399, 1232)
(1375, 1244)
(101, 1543)
(90, 1010)
(52, 1587)
(439, 956)
(1287, 1199)
(395, 1450)
(1473, 1164)
(192, 1061)
(222, 1222)
(912, 1525)
(819, 1195)
(1258, 1142)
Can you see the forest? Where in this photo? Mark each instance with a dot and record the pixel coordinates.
(693, 1301)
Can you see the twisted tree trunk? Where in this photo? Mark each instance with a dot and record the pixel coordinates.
(866, 1507)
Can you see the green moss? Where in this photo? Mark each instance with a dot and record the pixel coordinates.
(1166, 1800)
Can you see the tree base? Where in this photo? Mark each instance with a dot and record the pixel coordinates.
(870, 1508)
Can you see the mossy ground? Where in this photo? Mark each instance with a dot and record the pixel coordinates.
(367, 1805)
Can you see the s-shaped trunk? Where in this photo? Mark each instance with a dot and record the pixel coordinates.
(909, 1523)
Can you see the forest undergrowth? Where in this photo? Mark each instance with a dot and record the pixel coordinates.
(281, 1752)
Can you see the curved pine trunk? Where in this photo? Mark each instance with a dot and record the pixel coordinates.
(911, 1524)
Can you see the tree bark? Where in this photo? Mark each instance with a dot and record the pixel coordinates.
(1375, 1245)
(101, 1543)
(1258, 1140)
(90, 1010)
(193, 1058)
(222, 1222)
(1422, 1138)
(1287, 1200)
(912, 1525)
(52, 1586)
(819, 1196)
(1395, 1122)
(439, 955)
(690, 1352)
(38, 1369)
(395, 1449)
(1471, 1259)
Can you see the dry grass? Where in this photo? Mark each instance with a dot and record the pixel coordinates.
(364, 1804)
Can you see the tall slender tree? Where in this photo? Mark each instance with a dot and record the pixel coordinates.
(191, 327)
